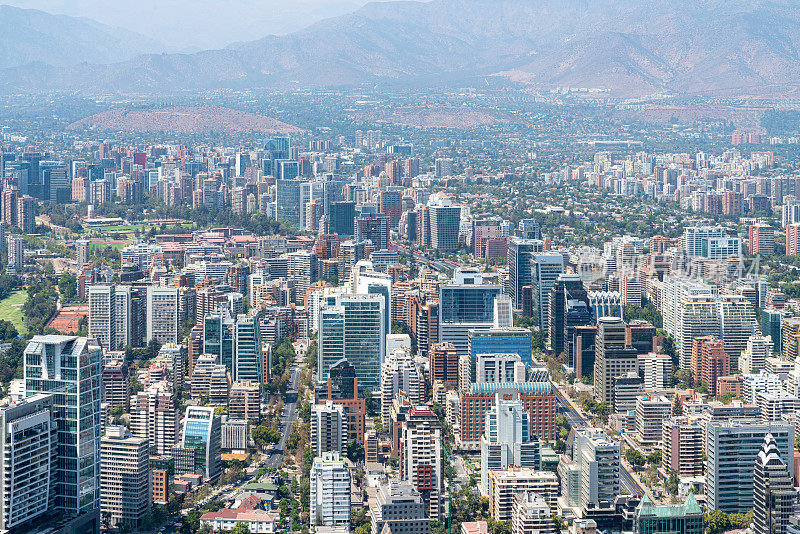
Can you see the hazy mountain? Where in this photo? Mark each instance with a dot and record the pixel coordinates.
(29, 36)
(628, 46)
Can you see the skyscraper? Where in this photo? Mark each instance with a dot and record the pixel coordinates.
(125, 478)
(569, 307)
(29, 453)
(248, 356)
(466, 304)
(774, 497)
(598, 458)
(16, 253)
(287, 201)
(353, 327)
(445, 223)
(507, 440)
(69, 367)
(154, 417)
(329, 491)
(729, 477)
(613, 357)
(520, 264)
(545, 269)
(202, 434)
(162, 314)
(422, 457)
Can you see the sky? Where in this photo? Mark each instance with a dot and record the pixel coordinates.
(189, 25)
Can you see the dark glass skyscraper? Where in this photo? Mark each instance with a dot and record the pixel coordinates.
(774, 498)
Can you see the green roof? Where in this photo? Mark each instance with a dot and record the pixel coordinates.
(260, 486)
(689, 507)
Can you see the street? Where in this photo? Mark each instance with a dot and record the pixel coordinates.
(577, 422)
(290, 415)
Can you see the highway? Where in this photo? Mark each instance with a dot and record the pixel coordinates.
(577, 421)
(435, 265)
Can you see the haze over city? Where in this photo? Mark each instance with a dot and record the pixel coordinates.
(399, 267)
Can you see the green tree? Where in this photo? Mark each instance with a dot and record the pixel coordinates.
(68, 286)
(355, 451)
(654, 458)
(717, 522)
(240, 528)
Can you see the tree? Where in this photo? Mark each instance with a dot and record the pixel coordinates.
(634, 457)
(717, 522)
(672, 483)
(654, 458)
(68, 286)
(355, 451)
(240, 528)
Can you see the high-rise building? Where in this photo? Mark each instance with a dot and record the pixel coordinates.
(612, 356)
(83, 249)
(69, 367)
(598, 458)
(117, 315)
(391, 205)
(154, 417)
(731, 451)
(201, 434)
(125, 478)
(507, 439)
(443, 363)
(771, 326)
(505, 485)
(521, 254)
(514, 340)
(244, 402)
(568, 308)
(353, 327)
(498, 369)
(375, 228)
(695, 236)
(116, 384)
(29, 453)
(761, 239)
(342, 389)
(400, 373)
(15, 246)
(329, 491)
(422, 458)
(774, 497)
(162, 314)
(531, 515)
(26, 214)
(545, 269)
(682, 446)
(288, 201)
(445, 224)
(466, 304)
(248, 351)
(400, 507)
(328, 428)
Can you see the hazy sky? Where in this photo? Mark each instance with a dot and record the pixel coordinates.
(199, 23)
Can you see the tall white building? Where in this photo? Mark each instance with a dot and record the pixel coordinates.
(598, 458)
(162, 314)
(532, 515)
(28, 449)
(693, 237)
(329, 495)
(83, 249)
(754, 357)
(507, 440)
(400, 374)
(328, 428)
(125, 478)
(154, 417)
(16, 253)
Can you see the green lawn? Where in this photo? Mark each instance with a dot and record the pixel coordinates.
(11, 309)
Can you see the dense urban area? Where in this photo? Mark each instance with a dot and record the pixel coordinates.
(472, 311)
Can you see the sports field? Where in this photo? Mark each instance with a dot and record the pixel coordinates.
(11, 309)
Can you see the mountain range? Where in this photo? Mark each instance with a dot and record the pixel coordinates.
(627, 47)
(32, 36)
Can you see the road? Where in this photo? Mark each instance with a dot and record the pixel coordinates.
(289, 416)
(577, 421)
(435, 265)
